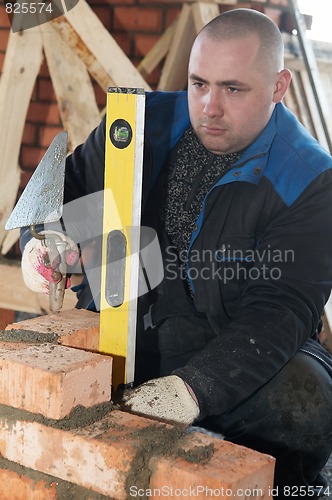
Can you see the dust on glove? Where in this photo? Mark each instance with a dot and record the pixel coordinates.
(40, 261)
(166, 398)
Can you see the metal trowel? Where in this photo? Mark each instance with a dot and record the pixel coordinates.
(42, 202)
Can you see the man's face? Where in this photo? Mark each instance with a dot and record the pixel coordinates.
(230, 95)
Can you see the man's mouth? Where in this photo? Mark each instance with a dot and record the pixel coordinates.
(213, 129)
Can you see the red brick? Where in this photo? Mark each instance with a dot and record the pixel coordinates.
(171, 14)
(102, 456)
(104, 15)
(21, 483)
(232, 470)
(46, 90)
(29, 134)
(4, 35)
(100, 96)
(124, 42)
(4, 20)
(14, 486)
(31, 156)
(138, 18)
(25, 177)
(74, 328)
(6, 316)
(44, 71)
(111, 2)
(43, 113)
(2, 58)
(52, 380)
(47, 134)
(144, 43)
(15, 346)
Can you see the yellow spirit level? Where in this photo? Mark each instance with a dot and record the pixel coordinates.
(125, 110)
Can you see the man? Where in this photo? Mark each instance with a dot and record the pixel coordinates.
(240, 196)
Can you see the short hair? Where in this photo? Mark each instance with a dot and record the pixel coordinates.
(239, 23)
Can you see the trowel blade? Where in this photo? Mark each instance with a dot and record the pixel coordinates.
(42, 199)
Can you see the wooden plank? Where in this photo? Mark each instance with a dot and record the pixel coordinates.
(21, 67)
(95, 67)
(103, 47)
(304, 111)
(294, 62)
(319, 128)
(297, 66)
(204, 13)
(312, 69)
(158, 52)
(16, 296)
(175, 71)
(9, 240)
(72, 85)
(326, 77)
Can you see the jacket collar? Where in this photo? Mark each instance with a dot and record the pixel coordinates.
(262, 144)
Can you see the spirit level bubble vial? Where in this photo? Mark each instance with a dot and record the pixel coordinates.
(125, 110)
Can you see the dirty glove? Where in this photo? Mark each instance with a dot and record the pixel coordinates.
(40, 260)
(167, 398)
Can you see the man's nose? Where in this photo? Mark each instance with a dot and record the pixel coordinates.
(213, 105)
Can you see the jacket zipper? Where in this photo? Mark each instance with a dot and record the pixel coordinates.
(317, 357)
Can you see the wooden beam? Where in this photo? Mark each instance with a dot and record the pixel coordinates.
(300, 93)
(16, 296)
(9, 240)
(204, 13)
(96, 69)
(72, 85)
(21, 67)
(158, 51)
(175, 70)
(312, 70)
(103, 47)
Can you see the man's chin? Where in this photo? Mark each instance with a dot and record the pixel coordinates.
(216, 147)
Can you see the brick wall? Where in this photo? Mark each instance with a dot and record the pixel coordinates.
(52, 449)
(136, 25)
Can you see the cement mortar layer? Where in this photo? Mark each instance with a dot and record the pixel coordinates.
(28, 337)
(78, 417)
(155, 440)
(64, 489)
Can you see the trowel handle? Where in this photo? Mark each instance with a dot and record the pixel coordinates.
(57, 290)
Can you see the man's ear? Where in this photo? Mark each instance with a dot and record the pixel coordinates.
(282, 83)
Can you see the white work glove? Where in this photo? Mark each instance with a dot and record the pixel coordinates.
(166, 398)
(40, 261)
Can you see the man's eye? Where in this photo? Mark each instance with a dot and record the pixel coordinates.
(199, 85)
(233, 90)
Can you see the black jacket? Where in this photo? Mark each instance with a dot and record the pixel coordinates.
(260, 257)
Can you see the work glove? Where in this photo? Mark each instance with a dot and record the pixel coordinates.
(40, 261)
(166, 398)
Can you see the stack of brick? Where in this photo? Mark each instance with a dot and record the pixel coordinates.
(61, 436)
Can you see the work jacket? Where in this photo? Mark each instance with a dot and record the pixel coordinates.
(259, 261)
